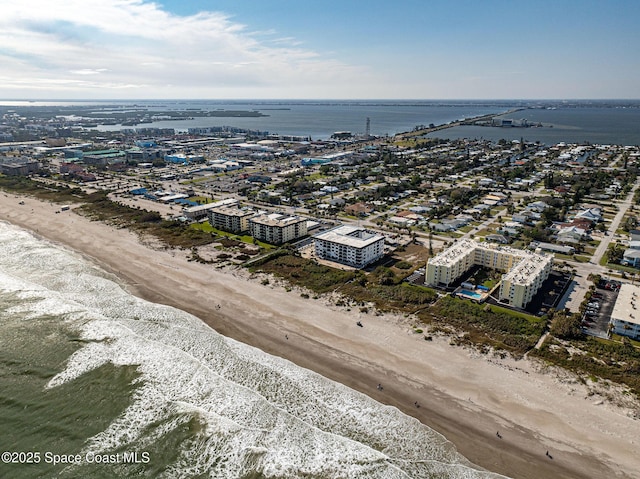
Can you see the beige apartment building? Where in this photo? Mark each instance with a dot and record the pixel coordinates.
(525, 271)
(230, 218)
(276, 228)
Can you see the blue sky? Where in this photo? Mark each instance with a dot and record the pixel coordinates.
(405, 49)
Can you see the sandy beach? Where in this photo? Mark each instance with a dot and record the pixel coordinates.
(462, 394)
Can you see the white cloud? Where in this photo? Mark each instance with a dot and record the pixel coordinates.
(89, 71)
(135, 45)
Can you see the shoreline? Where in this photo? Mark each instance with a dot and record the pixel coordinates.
(465, 396)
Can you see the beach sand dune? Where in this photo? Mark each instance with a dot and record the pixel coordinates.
(466, 396)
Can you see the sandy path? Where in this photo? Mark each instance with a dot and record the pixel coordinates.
(464, 395)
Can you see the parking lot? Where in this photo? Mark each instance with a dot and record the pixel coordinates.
(595, 319)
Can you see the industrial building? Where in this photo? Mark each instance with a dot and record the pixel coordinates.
(277, 228)
(625, 317)
(525, 271)
(103, 157)
(350, 245)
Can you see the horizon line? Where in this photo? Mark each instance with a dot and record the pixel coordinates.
(34, 100)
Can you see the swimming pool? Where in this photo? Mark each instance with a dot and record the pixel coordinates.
(470, 294)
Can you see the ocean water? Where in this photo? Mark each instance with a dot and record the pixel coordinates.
(120, 387)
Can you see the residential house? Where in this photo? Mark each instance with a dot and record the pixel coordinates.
(441, 227)
(358, 209)
(571, 234)
(497, 238)
(537, 206)
(591, 214)
(631, 257)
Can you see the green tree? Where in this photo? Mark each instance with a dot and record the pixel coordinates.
(566, 326)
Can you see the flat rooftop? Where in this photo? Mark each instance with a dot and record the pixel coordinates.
(530, 266)
(276, 219)
(453, 252)
(626, 307)
(232, 210)
(354, 236)
(208, 206)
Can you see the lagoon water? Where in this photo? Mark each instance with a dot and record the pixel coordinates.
(319, 119)
(594, 121)
(612, 125)
(90, 370)
(577, 121)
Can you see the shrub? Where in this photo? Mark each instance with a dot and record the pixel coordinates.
(403, 265)
(150, 217)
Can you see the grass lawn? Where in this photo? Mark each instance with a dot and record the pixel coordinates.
(517, 314)
(195, 181)
(314, 176)
(618, 338)
(618, 267)
(207, 228)
(484, 232)
(203, 200)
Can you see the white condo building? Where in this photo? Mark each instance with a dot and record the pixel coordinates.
(625, 317)
(525, 271)
(350, 245)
